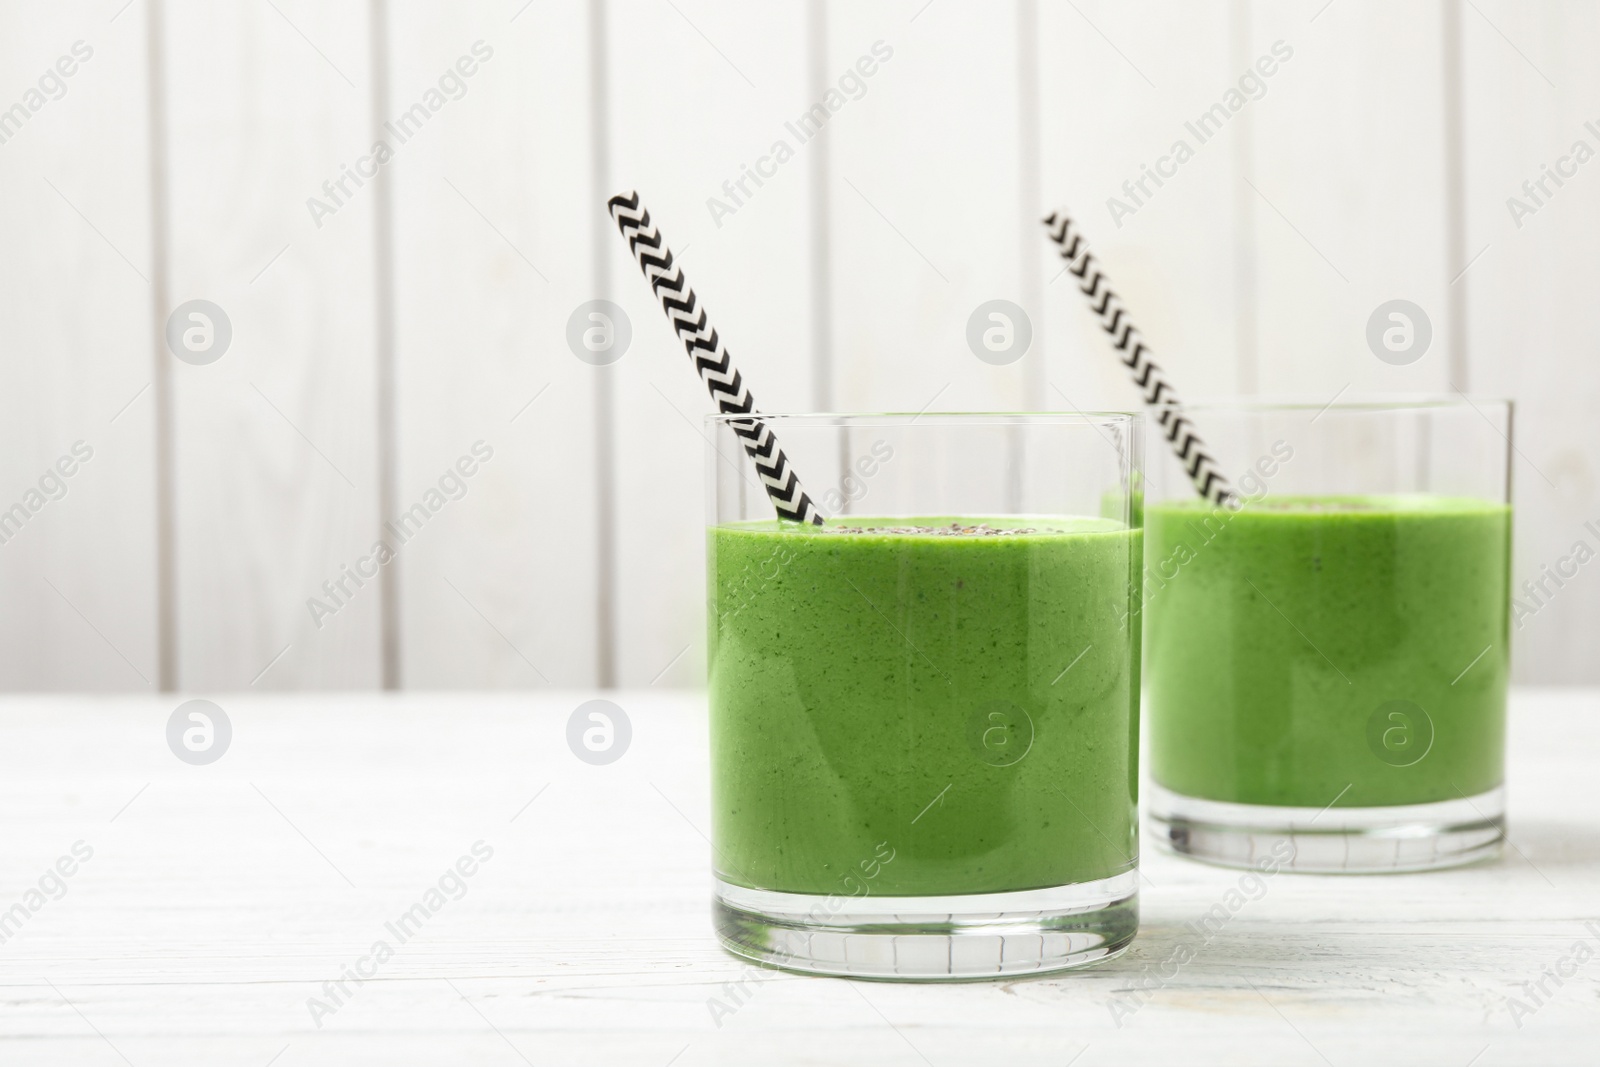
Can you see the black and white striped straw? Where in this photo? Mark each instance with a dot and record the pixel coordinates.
(711, 358)
(1131, 349)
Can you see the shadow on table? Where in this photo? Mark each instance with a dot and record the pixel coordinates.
(1552, 848)
(1545, 843)
(1172, 959)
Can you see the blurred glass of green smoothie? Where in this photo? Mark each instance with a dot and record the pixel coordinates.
(1331, 668)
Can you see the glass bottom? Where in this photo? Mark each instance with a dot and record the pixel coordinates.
(1411, 837)
(954, 938)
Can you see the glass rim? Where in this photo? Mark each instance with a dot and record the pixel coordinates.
(973, 418)
(1373, 403)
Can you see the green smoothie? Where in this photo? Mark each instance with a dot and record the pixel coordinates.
(1306, 644)
(923, 706)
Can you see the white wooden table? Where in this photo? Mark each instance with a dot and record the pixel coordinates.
(219, 899)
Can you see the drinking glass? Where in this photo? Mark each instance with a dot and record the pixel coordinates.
(1328, 658)
(924, 711)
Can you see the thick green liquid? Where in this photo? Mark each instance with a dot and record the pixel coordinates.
(1291, 643)
(903, 695)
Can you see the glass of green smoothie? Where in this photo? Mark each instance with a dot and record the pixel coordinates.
(924, 710)
(1328, 655)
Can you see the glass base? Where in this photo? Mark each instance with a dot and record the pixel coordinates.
(1412, 837)
(954, 938)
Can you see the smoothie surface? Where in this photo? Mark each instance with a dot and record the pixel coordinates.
(1337, 650)
(956, 693)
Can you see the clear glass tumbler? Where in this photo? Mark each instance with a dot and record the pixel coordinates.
(1327, 660)
(924, 712)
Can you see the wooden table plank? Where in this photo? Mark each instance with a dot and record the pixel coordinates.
(219, 899)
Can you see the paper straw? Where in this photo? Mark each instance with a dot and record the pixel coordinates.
(711, 358)
(1126, 339)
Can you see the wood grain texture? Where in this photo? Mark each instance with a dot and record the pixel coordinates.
(698, 93)
(845, 278)
(219, 899)
(1175, 261)
(493, 237)
(76, 580)
(275, 443)
(1353, 127)
(924, 225)
(1532, 310)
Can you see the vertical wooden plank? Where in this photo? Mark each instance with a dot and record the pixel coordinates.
(1350, 132)
(1030, 199)
(276, 479)
(1531, 86)
(925, 155)
(602, 432)
(1119, 82)
(494, 220)
(818, 166)
(76, 562)
(701, 93)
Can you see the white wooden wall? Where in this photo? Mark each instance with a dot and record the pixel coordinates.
(429, 312)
